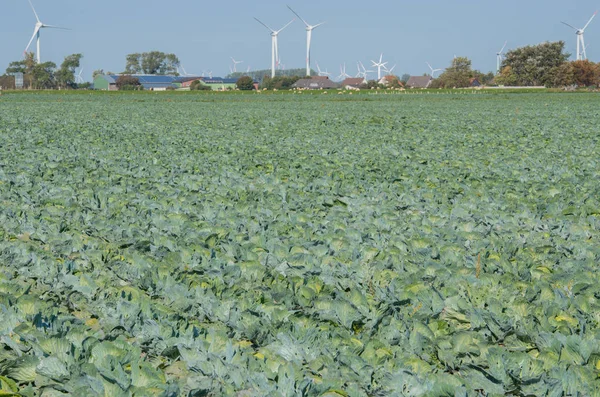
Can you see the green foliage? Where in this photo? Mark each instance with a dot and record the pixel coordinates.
(198, 85)
(153, 62)
(65, 76)
(279, 82)
(260, 75)
(457, 75)
(299, 245)
(128, 83)
(245, 83)
(534, 65)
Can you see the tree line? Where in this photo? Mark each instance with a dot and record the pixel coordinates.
(46, 75)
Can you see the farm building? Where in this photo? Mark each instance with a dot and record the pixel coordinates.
(419, 81)
(352, 83)
(107, 82)
(315, 83)
(219, 84)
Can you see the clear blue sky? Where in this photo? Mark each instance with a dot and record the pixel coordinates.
(204, 35)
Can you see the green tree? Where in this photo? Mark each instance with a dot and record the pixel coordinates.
(97, 72)
(133, 64)
(43, 76)
(506, 77)
(404, 78)
(197, 85)
(531, 65)
(245, 83)
(128, 83)
(279, 82)
(65, 76)
(153, 62)
(457, 75)
(561, 76)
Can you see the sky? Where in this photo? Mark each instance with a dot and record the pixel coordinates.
(205, 35)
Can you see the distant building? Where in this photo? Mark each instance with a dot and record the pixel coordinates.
(315, 83)
(474, 82)
(353, 83)
(385, 80)
(419, 82)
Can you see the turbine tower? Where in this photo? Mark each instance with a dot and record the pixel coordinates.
(432, 70)
(274, 47)
(499, 56)
(309, 29)
(36, 33)
(581, 55)
(379, 65)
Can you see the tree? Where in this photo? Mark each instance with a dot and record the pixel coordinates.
(561, 75)
(97, 73)
(65, 76)
(43, 75)
(585, 73)
(457, 75)
(128, 83)
(279, 82)
(245, 83)
(197, 85)
(153, 62)
(531, 65)
(404, 78)
(506, 77)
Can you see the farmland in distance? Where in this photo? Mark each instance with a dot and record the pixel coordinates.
(283, 245)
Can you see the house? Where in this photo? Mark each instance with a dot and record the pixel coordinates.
(387, 80)
(419, 81)
(474, 82)
(315, 83)
(186, 82)
(353, 83)
(105, 82)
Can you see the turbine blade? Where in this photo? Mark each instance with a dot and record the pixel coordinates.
(317, 25)
(586, 25)
(295, 13)
(564, 23)
(36, 15)
(35, 32)
(503, 47)
(288, 24)
(259, 21)
(54, 27)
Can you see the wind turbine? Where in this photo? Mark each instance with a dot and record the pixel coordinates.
(581, 55)
(274, 47)
(390, 69)
(499, 56)
(379, 65)
(78, 78)
(432, 70)
(235, 63)
(309, 29)
(36, 33)
(364, 73)
(322, 73)
(343, 75)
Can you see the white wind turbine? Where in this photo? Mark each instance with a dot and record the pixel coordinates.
(309, 29)
(274, 46)
(390, 70)
(499, 56)
(36, 33)
(364, 73)
(581, 55)
(343, 75)
(235, 63)
(379, 65)
(78, 78)
(433, 70)
(322, 73)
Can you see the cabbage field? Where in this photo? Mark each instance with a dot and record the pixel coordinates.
(299, 245)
